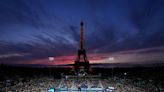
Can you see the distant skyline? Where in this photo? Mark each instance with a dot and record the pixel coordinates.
(131, 31)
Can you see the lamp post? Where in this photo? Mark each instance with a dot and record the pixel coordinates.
(111, 59)
(125, 75)
(50, 60)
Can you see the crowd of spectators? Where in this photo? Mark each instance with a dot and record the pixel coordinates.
(95, 83)
(42, 83)
(132, 85)
(16, 82)
(79, 84)
(28, 84)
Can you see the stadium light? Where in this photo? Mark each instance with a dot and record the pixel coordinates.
(51, 58)
(111, 58)
(125, 74)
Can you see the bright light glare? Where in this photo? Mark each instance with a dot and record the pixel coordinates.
(111, 58)
(51, 58)
(125, 73)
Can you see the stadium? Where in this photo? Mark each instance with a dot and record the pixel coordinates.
(23, 79)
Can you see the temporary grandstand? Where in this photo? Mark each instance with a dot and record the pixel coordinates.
(81, 83)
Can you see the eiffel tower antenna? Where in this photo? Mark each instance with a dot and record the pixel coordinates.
(81, 35)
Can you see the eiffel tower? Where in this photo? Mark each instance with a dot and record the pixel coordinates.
(81, 64)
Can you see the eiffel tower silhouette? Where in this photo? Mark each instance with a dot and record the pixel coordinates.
(81, 64)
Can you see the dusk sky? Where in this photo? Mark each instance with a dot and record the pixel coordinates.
(131, 31)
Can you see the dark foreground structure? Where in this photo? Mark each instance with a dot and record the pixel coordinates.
(26, 79)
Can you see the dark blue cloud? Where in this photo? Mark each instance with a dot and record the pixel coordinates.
(42, 28)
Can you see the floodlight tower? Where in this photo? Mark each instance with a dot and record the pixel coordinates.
(111, 59)
(50, 60)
